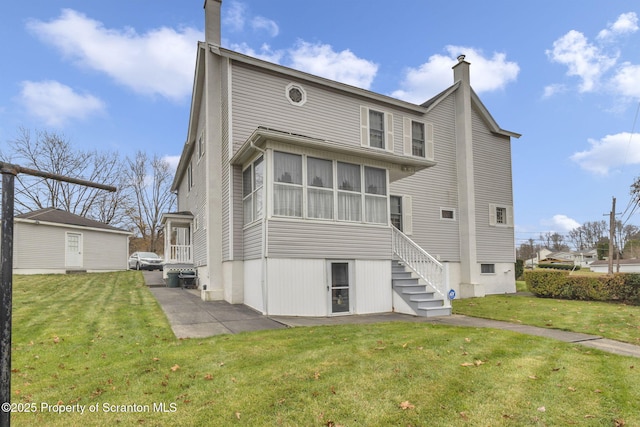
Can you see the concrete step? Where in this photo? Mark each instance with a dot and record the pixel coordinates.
(434, 311)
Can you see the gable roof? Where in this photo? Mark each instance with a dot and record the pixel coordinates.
(58, 216)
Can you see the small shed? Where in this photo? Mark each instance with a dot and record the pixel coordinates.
(55, 241)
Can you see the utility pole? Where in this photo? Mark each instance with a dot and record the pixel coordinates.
(9, 173)
(612, 227)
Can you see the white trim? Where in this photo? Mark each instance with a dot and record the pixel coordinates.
(455, 214)
(351, 286)
(303, 92)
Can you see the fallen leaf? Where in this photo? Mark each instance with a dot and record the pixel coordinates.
(238, 415)
(56, 339)
(571, 388)
(467, 364)
(316, 375)
(478, 362)
(589, 416)
(542, 409)
(467, 339)
(175, 368)
(405, 345)
(406, 405)
(155, 359)
(597, 390)
(208, 377)
(533, 377)
(464, 415)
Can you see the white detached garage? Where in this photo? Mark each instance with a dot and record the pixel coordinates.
(55, 241)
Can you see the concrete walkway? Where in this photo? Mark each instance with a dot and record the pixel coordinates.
(190, 317)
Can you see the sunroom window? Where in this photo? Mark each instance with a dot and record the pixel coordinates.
(287, 184)
(252, 183)
(349, 192)
(320, 188)
(375, 183)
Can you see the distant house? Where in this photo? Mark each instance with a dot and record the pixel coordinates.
(626, 266)
(580, 258)
(540, 255)
(297, 194)
(55, 241)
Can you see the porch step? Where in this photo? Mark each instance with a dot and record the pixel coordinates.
(420, 297)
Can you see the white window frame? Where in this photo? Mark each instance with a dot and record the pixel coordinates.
(455, 214)
(407, 138)
(335, 190)
(252, 197)
(493, 267)
(365, 139)
(190, 176)
(493, 215)
(300, 89)
(201, 145)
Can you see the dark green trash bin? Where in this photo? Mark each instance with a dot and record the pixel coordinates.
(173, 279)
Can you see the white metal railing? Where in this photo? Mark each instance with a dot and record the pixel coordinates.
(180, 253)
(420, 262)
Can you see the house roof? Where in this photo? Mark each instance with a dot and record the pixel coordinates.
(58, 216)
(199, 82)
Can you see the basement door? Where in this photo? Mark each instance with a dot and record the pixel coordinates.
(340, 273)
(73, 250)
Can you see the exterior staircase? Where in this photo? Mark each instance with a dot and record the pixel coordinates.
(422, 298)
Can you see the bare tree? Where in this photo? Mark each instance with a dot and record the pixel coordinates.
(151, 185)
(52, 152)
(589, 234)
(554, 241)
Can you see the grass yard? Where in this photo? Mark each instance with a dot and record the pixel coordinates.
(615, 321)
(100, 342)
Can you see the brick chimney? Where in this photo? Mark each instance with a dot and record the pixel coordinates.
(212, 21)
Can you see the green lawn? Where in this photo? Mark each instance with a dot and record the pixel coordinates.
(616, 321)
(100, 342)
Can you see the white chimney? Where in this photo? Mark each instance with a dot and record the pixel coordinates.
(461, 71)
(212, 21)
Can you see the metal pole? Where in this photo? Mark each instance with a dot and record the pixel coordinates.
(6, 289)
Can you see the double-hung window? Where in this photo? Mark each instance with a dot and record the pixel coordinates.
(376, 129)
(375, 199)
(417, 139)
(252, 184)
(349, 192)
(287, 184)
(319, 188)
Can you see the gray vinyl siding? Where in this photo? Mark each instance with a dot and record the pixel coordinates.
(435, 188)
(198, 195)
(307, 239)
(259, 100)
(238, 241)
(253, 241)
(492, 169)
(43, 247)
(225, 169)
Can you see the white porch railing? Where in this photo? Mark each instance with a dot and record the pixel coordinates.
(180, 254)
(420, 262)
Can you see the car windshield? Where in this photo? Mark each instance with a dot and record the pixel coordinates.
(147, 255)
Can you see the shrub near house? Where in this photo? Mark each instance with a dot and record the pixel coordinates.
(622, 287)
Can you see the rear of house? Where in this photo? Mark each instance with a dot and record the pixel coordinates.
(297, 193)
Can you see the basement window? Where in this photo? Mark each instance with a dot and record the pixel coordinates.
(487, 268)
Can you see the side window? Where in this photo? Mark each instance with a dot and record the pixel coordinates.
(376, 129)
(500, 215)
(252, 183)
(417, 138)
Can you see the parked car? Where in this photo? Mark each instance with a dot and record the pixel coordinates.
(145, 261)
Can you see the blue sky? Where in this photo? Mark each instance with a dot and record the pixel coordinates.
(118, 75)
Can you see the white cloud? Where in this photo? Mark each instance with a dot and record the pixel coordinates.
(553, 89)
(322, 60)
(56, 103)
(591, 61)
(233, 16)
(561, 223)
(173, 161)
(583, 59)
(610, 152)
(487, 74)
(265, 53)
(627, 80)
(159, 62)
(260, 23)
(625, 24)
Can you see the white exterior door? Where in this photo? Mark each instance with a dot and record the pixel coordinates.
(340, 279)
(74, 250)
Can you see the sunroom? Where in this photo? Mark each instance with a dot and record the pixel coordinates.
(317, 235)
